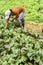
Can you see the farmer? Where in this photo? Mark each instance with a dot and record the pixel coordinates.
(18, 12)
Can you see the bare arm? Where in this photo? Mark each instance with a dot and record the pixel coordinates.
(7, 20)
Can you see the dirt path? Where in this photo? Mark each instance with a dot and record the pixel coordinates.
(34, 26)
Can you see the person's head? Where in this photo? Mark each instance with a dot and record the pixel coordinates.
(7, 14)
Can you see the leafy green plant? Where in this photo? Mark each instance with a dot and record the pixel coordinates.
(18, 47)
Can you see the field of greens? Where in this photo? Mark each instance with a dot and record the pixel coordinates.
(17, 45)
(34, 8)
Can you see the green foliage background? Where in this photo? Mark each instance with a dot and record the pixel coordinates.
(34, 8)
(18, 46)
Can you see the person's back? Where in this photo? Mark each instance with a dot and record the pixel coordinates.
(17, 10)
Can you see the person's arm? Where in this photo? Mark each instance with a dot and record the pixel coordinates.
(14, 18)
(7, 20)
(7, 16)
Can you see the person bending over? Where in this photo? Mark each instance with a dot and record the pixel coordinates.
(18, 12)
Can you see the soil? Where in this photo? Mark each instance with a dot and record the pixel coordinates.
(34, 26)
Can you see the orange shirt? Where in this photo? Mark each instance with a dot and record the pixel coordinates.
(17, 10)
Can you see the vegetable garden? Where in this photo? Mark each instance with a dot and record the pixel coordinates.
(19, 46)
